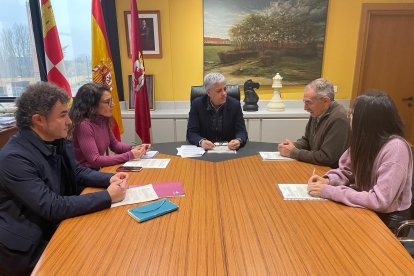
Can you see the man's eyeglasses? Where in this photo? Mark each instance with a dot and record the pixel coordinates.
(109, 102)
(350, 113)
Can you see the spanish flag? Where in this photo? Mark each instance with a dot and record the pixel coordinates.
(54, 56)
(102, 68)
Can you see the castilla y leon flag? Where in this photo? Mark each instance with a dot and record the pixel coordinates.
(142, 114)
(102, 68)
(53, 50)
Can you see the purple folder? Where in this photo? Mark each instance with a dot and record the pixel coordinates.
(168, 189)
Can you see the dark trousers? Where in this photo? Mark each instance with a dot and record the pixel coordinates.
(393, 220)
(14, 262)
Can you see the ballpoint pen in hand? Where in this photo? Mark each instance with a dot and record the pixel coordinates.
(313, 172)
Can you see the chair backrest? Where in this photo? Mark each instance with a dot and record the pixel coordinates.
(412, 191)
(232, 90)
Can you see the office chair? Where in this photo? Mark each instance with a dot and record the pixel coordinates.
(405, 232)
(232, 90)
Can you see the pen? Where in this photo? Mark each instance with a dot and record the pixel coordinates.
(134, 143)
(313, 172)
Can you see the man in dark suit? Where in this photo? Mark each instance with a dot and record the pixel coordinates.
(215, 117)
(40, 180)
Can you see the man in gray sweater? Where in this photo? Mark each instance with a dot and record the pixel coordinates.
(327, 131)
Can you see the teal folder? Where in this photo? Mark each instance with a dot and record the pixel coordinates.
(152, 210)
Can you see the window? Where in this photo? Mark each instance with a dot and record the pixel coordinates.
(73, 20)
(18, 60)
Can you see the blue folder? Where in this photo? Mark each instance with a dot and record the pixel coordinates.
(152, 210)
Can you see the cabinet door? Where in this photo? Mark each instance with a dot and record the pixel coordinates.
(181, 130)
(276, 130)
(129, 134)
(254, 129)
(162, 130)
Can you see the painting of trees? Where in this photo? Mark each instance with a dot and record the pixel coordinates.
(285, 36)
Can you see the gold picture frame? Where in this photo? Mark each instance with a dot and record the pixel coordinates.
(149, 82)
(151, 36)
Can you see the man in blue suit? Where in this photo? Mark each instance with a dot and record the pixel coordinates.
(215, 117)
(40, 180)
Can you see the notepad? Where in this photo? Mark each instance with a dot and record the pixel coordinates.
(152, 210)
(296, 192)
(149, 154)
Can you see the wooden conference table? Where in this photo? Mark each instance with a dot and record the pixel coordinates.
(232, 221)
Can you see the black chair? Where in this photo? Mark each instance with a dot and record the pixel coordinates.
(405, 232)
(232, 90)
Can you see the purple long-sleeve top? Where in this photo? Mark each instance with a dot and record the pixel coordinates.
(391, 180)
(92, 138)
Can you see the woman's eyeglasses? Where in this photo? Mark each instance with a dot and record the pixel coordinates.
(109, 102)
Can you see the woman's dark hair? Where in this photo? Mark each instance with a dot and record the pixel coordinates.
(38, 98)
(85, 104)
(375, 118)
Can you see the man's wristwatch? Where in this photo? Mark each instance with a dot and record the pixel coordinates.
(201, 141)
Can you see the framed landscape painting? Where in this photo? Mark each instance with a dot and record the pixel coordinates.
(255, 39)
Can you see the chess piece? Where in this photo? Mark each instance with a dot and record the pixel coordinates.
(276, 103)
(250, 96)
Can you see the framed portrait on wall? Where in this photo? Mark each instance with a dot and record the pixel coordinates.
(149, 82)
(150, 31)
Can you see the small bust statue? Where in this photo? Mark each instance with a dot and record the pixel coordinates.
(250, 96)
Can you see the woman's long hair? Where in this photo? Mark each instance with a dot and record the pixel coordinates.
(85, 104)
(375, 118)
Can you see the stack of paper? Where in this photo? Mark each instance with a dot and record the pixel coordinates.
(190, 151)
(6, 121)
(148, 163)
(273, 155)
(137, 194)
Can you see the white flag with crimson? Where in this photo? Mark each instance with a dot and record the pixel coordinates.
(53, 50)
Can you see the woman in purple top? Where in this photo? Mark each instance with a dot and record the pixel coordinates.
(91, 130)
(376, 171)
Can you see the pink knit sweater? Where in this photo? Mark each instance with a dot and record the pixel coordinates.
(390, 181)
(90, 141)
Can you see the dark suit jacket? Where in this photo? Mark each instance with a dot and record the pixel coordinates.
(199, 124)
(31, 201)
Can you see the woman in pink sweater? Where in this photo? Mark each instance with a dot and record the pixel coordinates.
(376, 171)
(91, 130)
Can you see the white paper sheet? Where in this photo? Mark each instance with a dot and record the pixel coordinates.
(296, 192)
(273, 155)
(137, 194)
(221, 149)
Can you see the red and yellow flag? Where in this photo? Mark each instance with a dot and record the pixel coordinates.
(142, 114)
(102, 68)
(53, 50)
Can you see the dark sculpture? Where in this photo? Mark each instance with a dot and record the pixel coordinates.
(250, 96)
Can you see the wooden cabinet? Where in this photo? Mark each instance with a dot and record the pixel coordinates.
(5, 134)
